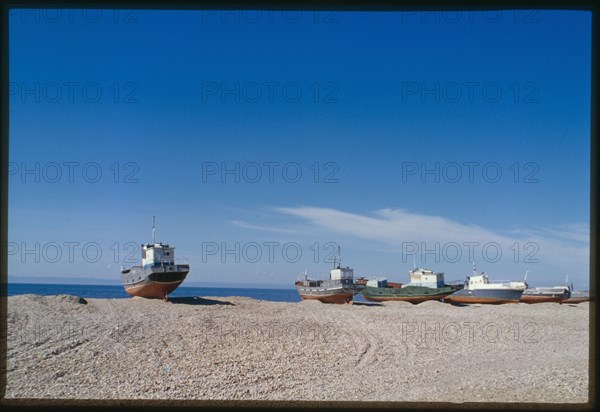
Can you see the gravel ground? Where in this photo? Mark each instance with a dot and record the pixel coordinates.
(241, 348)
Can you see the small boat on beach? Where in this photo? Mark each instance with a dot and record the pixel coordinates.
(546, 294)
(424, 285)
(158, 274)
(577, 296)
(480, 289)
(339, 288)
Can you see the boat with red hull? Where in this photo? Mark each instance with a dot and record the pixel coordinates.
(579, 296)
(339, 288)
(158, 275)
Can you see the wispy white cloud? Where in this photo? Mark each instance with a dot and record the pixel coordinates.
(246, 225)
(392, 225)
(558, 248)
(575, 232)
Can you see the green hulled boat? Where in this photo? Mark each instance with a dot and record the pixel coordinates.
(425, 285)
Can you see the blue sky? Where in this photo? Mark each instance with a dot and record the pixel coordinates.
(371, 100)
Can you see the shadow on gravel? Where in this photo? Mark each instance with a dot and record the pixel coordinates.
(366, 304)
(197, 300)
(462, 305)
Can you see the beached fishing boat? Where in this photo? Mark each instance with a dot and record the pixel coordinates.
(546, 294)
(480, 289)
(158, 274)
(577, 296)
(424, 285)
(339, 288)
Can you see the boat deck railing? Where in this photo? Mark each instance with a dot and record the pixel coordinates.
(502, 282)
(166, 264)
(175, 262)
(308, 282)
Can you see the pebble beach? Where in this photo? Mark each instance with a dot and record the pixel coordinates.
(237, 348)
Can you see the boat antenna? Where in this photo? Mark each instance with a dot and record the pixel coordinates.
(474, 269)
(567, 279)
(414, 263)
(339, 257)
(153, 230)
(526, 272)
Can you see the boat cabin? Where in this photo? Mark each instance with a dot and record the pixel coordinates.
(157, 254)
(378, 283)
(340, 273)
(426, 278)
(483, 282)
(477, 280)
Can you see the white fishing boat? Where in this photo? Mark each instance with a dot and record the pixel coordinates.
(480, 289)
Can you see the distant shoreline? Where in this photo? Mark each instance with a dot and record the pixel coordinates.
(118, 292)
(100, 282)
(57, 281)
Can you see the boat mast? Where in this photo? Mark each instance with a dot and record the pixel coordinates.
(339, 259)
(153, 230)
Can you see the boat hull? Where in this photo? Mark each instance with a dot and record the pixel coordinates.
(342, 293)
(540, 299)
(153, 290)
(335, 298)
(412, 294)
(577, 300)
(154, 282)
(487, 296)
